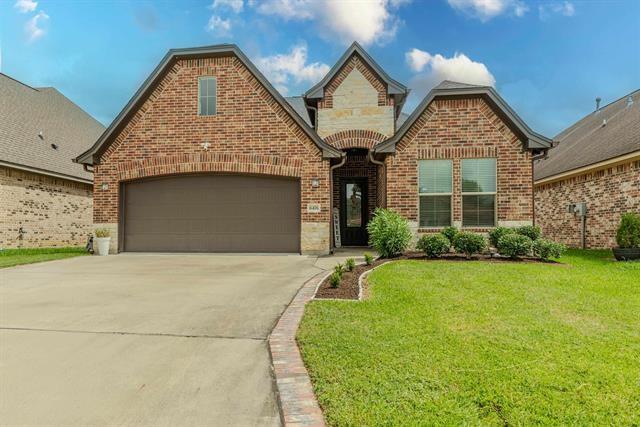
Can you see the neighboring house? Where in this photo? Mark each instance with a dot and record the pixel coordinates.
(208, 156)
(45, 197)
(597, 162)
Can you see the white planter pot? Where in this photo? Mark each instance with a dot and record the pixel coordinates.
(102, 245)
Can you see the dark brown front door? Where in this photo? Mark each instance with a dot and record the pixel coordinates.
(353, 211)
(212, 213)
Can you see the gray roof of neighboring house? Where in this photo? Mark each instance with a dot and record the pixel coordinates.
(591, 141)
(25, 112)
(298, 104)
(402, 117)
(91, 155)
(532, 140)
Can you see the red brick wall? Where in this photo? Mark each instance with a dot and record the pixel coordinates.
(456, 129)
(251, 133)
(608, 193)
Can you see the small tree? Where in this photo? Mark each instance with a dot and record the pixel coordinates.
(433, 245)
(628, 234)
(469, 243)
(514, 245)
(389, 233)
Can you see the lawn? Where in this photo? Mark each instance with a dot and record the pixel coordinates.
(12, 257)
(450, 343)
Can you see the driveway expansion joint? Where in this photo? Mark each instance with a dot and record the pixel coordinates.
(298, 404)
(143, 334)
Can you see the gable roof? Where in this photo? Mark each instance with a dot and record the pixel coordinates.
(393, 87)
(91, 155)
(533, 140)
(26, 113)
(298, 104)
(611, 132)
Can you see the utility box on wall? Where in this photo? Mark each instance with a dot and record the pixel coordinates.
(579, 209)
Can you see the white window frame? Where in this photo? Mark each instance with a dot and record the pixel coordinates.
(450, 194)
(484, 193)
(215, 80)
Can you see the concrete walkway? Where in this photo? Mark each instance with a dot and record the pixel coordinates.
(136, 339)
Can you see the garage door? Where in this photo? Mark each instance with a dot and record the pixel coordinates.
(212, 213)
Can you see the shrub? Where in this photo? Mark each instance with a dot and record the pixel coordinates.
(628, 234)
(102, 232)
(338, 269)
(334, 279)
(434, 245)
(350, 264)
(546, 249)
(450, 233)
(514, 245)
(469, 243)
(368, 258)
(531, 231)
(497, 233)
(389, 233)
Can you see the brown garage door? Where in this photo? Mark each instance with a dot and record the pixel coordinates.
(212, 213)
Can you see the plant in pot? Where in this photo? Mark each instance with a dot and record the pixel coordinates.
(628, 238)
(102, 241)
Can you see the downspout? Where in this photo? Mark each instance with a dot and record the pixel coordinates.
(331, 225)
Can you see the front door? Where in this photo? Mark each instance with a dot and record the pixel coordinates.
(353, 211)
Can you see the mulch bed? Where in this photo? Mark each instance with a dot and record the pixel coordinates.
(348, 288)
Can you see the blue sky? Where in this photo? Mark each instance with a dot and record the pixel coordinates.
(548, 59)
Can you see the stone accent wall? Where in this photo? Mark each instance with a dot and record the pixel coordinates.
(52, 212)
(251, 133)
(356, 98)
(608, 192)
(457, 129)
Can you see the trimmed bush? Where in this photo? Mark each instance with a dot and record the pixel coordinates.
(628, 234)
(497, 233)
(350, 264)
(531, 231)
(389, 233)
(450, 233)
(368, 258)
(514, 245)
(469, 243)
(433, 245)
(546, 249)
(334, 279)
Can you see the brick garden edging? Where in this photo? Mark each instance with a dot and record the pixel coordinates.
(298, 404)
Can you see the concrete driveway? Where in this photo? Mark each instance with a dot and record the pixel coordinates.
(143, 339)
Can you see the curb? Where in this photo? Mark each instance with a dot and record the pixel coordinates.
(298, 403)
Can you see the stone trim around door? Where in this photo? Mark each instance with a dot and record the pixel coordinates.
(298, 404)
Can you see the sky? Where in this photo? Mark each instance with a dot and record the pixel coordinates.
(548, 59)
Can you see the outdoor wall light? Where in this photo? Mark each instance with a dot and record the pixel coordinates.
(104, 186)
(315, 183)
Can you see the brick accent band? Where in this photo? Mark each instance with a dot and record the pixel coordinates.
(355, 138)
(295, 393)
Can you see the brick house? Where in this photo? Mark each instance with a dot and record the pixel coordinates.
(45, 197)
(596, 162)
(208, 156)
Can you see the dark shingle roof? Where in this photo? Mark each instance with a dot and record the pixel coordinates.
(298, 104)
(588, 141)
(27, 111)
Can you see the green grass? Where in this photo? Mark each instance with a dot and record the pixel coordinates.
(450, 343)
(13, 257)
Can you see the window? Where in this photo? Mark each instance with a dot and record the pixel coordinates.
(207, 88)
(434, 190)
(478, 192)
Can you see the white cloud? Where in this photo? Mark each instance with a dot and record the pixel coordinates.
(488, 9)
(284, 69)
(33, 28)
(459, 68)
(370, 21)
(25, 6)
(219, 26)
(235, 5)
(565, 8)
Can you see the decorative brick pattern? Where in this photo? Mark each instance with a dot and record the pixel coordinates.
(355, 138)
(251, 133)
(608, 192)
(457, 129)
(51, 212)
(295, 393)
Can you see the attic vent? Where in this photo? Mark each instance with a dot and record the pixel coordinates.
(604, 122)
(54, 146)
(40, 135)
(629, 101)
